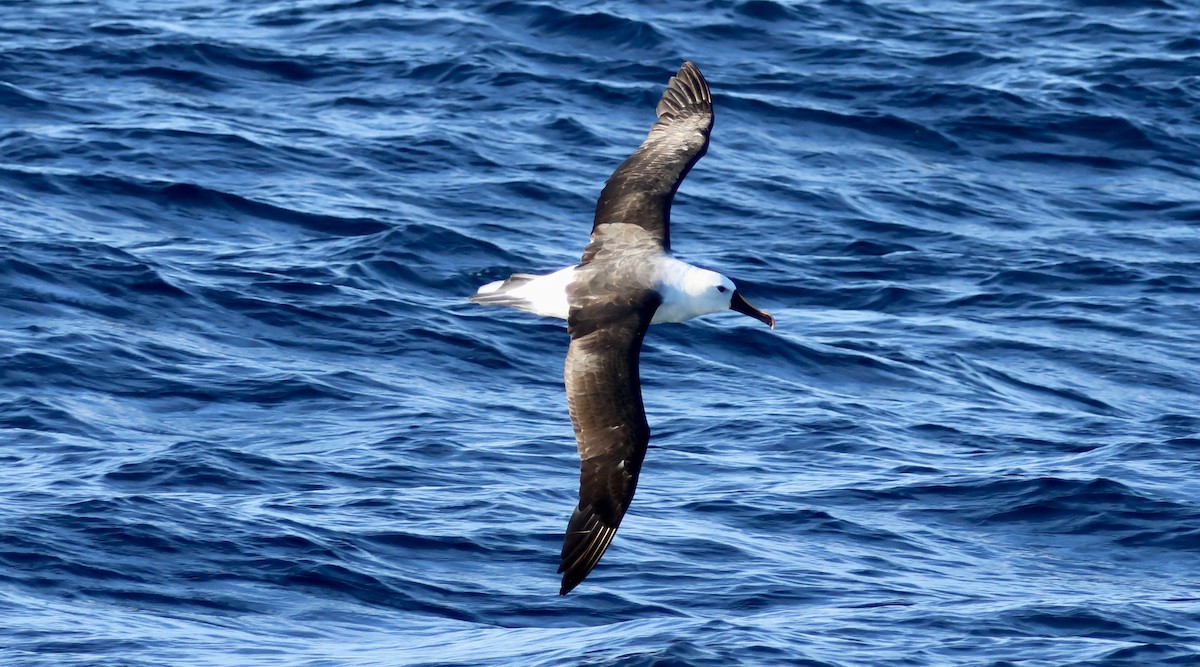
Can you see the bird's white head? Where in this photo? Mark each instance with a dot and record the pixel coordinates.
(697, 291)
(710, 291)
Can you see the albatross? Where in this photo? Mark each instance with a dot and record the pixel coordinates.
(625, 281)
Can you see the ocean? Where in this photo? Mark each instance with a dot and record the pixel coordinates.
(249, 417)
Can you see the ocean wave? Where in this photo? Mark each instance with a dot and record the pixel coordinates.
(252, 418)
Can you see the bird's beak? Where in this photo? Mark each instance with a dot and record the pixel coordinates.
(743, 306)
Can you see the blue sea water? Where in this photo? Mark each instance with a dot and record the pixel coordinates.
(249, 418)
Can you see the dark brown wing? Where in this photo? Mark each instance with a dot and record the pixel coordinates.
(604, 395)
(640, 191)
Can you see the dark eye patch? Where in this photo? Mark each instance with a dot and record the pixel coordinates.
(722, 289)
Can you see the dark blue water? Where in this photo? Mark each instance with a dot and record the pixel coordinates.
(249, 418)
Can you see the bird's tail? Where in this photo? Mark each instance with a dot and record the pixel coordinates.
(503, 292)
(544, 295)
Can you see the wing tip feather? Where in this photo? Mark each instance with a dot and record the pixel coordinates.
(687, 89)
(586, 541)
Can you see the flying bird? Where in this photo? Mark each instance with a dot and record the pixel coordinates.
(625, 281)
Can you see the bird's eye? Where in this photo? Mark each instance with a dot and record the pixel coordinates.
(722, 289)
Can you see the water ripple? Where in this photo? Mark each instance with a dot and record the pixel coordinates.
(251, 419)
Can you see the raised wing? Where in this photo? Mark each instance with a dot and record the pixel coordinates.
(604, 395)
(640, 191)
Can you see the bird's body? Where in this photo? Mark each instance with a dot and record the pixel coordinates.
(685, 289)
(625, 281)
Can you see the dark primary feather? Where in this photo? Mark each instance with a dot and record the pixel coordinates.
(640, 191)
(604, 395)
